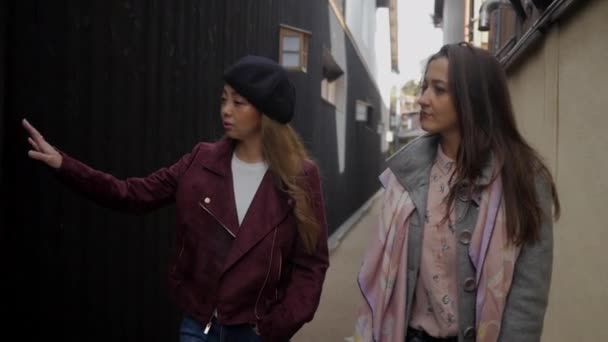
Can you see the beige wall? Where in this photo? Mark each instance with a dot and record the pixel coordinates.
(560, 94)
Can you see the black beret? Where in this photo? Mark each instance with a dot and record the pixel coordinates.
(265, 84)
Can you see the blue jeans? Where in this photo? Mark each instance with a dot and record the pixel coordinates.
(193, 331)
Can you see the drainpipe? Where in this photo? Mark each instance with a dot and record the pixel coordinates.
(485, 12)
(558, 10)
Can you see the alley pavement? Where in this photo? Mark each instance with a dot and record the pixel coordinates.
(334, 320)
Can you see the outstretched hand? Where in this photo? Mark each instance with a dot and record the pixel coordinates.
(42, 150)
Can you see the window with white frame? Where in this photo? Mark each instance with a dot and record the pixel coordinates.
(293, 46)
(361, 111)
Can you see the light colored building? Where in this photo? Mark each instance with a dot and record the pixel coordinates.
(449, 15)
(557, 89)
(409, 118)
(459, 20)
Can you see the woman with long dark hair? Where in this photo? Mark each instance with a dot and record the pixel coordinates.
(464, 245)
(251, 247)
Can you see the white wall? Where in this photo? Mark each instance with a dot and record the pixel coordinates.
(361, 21)
(453, 21)
(338, 51)
(559, 96)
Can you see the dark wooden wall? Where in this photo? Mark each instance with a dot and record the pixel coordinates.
(128, 87)
(3, 41)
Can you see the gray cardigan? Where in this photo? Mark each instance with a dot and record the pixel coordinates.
(527, 299)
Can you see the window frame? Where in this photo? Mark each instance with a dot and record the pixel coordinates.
(304, 37)
(367, 111)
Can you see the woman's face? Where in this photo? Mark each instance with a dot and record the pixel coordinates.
(241, 119)
(437, 111)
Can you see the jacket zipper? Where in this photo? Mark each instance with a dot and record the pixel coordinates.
(215, 217)
(255, 309)
(280, 264)
(276, 291)
(209, 324)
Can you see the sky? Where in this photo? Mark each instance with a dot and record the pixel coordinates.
(417, 37)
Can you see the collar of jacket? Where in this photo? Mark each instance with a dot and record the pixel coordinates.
(268, 208)
(412, 164)
(218, 161)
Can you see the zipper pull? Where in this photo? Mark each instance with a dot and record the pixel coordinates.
(207, 328)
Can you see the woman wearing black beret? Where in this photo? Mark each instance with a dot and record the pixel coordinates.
(251, 236)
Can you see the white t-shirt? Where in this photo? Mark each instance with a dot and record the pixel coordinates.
(246, 179)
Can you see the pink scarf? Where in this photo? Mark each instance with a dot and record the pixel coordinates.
(382, 277)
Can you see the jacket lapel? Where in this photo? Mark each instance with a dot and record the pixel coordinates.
(412, 165)
(268, 209)
(218, 200)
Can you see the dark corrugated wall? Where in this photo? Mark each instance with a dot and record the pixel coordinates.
(128, 87)
(3, 25)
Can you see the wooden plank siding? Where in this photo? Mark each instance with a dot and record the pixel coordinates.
(128, 87)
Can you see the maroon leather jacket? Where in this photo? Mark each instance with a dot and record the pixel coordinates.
(258, 273)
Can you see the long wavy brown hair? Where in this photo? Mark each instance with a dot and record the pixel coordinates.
(478, 86)
(285, 154)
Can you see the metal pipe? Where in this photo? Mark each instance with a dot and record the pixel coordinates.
(485, 12)
(552, 14)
